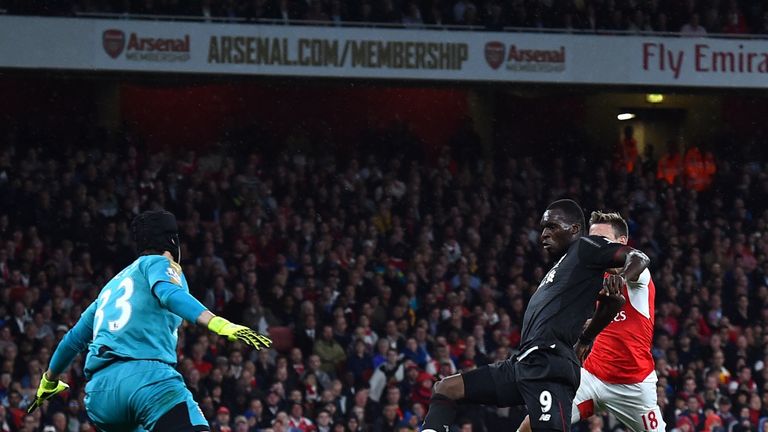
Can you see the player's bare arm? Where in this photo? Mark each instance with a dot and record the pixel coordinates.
(634, 264)
(611, 300)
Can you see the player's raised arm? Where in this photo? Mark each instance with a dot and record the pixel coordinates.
(610, 302)
(607, 248)
(635, 262)
(609, 255)
(599, 252)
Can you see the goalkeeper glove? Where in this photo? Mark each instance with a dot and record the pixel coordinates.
(235, 332)
(47, 390)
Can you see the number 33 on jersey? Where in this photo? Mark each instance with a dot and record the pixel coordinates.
(122, 304)
(127, 314)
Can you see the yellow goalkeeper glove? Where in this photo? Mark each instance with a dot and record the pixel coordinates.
(235, 332)
(46, 390)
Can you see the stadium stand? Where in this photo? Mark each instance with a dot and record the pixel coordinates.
(386, 272)
(691, 18)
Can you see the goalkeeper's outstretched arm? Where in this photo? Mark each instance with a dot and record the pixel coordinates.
(188, 307)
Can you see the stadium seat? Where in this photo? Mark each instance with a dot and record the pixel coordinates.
(282, 338)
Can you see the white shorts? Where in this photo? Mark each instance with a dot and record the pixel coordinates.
(633, 404)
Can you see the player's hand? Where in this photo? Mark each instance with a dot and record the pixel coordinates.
(613, 284)
(236, 332)
(46, 390)
(612, 289)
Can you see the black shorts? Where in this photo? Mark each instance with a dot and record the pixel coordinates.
(544, 381)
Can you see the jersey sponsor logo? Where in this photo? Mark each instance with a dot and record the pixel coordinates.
(550, 276)
(545, 417)
(174, 275)
(621, 316)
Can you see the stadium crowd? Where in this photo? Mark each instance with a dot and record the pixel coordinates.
(376, 274)
(690, 17)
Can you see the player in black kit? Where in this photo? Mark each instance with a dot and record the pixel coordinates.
(545, 375)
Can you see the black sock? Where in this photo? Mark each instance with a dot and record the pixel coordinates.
(442, 411)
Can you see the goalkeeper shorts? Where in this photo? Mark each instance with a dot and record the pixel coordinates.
(136, 394)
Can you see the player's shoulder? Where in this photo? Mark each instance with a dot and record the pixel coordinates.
(163, 263)
(150, 260)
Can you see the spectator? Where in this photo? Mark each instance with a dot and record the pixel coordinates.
(241, 424)
(329, 351)
(316, 12)
(392, 371)
(59, 422)
(388, 13)
(337, 15)
(207, 10)
(735, 22)
(297, 420)
(323, 421)
(323, 378)
(698, 169)
(693, 27)
(284, 13)
(360, 363)
(670, 165)
(412, 17)
(387, 422)
(364, 12)
(712, 20)
(493, 18)
(627, 154)
(762, 27)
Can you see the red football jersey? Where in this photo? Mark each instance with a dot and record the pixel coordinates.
(622, 351)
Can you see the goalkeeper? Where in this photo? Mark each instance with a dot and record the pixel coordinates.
(130, 332)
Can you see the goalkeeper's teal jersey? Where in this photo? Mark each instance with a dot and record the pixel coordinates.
(129, 321)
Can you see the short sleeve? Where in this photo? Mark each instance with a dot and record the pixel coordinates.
(599, 252)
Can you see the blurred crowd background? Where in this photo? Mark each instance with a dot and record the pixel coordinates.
(688, 17)
(376, 272)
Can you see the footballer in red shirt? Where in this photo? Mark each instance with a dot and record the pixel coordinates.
(619, 372)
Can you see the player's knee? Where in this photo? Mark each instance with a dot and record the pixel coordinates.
(448, 387)
(525, 426)
(437, 387)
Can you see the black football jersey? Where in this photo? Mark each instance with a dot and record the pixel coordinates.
(566, 296)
